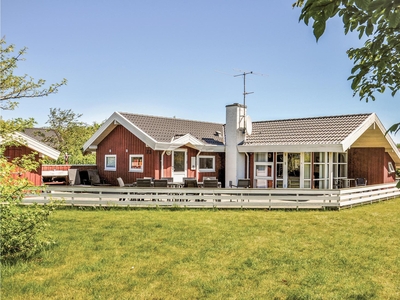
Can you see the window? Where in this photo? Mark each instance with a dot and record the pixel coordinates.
(206, 164)
(136, 163)
(307, 169)
(264, 157)
(320, 170)
(110, 163)
(391, 168)
(279, 170)
(339, 165)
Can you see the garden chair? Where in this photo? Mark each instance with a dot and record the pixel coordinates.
(143, 182)
(160, 183)
(190, 182)
(242, 184)
(122, 184)
(361, 182)
(210, 183)
(94, 177)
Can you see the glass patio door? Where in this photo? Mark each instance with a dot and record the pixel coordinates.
(293, 170)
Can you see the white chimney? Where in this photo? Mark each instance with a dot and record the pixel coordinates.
(234, 135)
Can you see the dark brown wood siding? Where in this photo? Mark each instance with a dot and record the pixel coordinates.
(370, 163)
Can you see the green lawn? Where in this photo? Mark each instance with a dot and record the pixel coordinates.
(206, 254)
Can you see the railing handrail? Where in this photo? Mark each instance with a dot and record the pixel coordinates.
(219, 197)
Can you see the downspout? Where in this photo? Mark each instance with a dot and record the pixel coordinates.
(162, 163)
(247, 165)
(197, 165)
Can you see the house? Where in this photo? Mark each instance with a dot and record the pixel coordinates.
(317, 153)
(28, 143)
(134, 146)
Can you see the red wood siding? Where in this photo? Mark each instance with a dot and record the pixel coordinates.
(388, 178)
(17, 151)
(219, 167)
(370, 163)
(122, 143)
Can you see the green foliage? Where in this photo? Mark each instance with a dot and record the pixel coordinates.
(21, 228)
(69, 136)
(377, 63)
(13, 87)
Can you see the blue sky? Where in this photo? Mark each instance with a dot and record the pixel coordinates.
(179, 58)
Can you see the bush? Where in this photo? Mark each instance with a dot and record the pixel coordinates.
(22, 230)
(21, 227)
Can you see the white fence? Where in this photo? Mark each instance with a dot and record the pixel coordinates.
(214, 198)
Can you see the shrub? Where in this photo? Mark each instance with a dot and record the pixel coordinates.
(21, 227)
(22, 230)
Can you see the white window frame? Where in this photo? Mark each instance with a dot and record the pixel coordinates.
(205, 157)
(130, 163)
(109, 167)
(391, 168)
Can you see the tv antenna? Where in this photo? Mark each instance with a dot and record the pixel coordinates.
(244, 85)
(244, 117)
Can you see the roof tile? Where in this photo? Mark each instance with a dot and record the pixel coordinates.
(318, 130)
(164, 129)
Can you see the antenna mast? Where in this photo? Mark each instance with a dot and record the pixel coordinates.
(244, 95)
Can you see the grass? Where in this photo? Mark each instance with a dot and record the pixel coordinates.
(206, 254)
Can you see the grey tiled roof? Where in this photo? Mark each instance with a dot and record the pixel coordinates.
(164, 129)
(318, 130)
(41, 134)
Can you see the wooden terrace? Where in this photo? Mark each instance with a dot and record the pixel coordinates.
(249, 198)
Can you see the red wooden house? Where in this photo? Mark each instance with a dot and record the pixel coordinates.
(319, 153)
(29, 144)
(134, 146)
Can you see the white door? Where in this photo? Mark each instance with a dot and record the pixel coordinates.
(179, 165)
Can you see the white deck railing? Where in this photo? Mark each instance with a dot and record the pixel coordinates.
(219, 198)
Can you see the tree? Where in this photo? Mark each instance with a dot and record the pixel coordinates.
(20, 227)
(377, 63)
(15, 87)
(69, 135)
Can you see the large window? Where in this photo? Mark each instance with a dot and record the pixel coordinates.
(339, 165)
(206, 163)
(307, 170)
(320, 170)
(279, 169)
(110, 163)
(136, 163)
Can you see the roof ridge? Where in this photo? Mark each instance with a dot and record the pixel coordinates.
(170, 118)
(313, 118)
